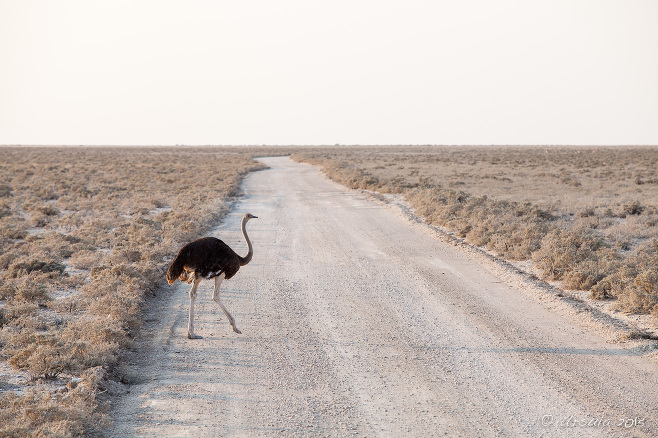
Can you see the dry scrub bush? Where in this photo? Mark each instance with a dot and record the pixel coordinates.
(42, 413)
(579, 259)
(115, 214)
(28, 288)
(85, 259)
(635, 282)
(585, 216)
(506, 227)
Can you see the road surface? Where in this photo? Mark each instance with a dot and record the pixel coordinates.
(357, 322)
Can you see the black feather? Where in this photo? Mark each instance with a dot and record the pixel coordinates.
(205, 258)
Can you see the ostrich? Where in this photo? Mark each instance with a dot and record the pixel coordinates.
(208, 258)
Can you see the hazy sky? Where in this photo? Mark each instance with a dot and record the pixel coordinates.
(326, 72)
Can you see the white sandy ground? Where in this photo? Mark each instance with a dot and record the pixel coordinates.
(358, 322)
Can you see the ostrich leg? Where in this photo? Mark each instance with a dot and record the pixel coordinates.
(215, 298)
(190, 324)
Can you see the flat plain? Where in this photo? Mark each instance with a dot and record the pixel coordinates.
(87, 233)
(585, 216)
(357, 322)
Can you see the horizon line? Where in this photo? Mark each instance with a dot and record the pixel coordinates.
(333, 145)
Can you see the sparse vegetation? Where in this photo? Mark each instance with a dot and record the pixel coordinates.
(86, 235)
(585, 216)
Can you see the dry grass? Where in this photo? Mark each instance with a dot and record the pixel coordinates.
(87, 233)
(586, 216)
(85, 236)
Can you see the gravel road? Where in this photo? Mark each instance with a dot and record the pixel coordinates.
(357, 322)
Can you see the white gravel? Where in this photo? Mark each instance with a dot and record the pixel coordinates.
(358, 323)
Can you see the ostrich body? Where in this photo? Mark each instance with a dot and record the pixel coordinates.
(208, 258)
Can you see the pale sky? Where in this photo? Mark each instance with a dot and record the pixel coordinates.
(157, 72)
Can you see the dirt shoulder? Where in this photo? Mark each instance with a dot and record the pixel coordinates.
(356, 322)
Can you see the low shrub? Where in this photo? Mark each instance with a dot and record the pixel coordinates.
(633, 208)
(42, 413)
(26, 265)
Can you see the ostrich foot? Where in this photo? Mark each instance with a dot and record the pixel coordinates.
(193, 336)
(235, 329)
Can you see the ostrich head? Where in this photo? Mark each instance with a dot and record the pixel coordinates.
(248, 216)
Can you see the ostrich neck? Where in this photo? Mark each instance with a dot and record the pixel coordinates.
(247, 259)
